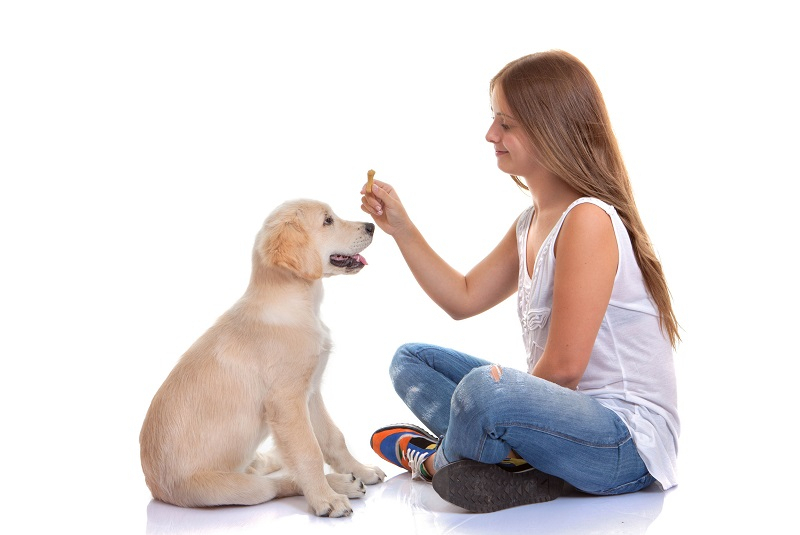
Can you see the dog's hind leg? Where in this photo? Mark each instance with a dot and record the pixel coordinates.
(266, 462)
(270, 462)
(206, 489)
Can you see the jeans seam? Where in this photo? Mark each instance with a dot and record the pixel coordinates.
(565, 437)
(636, 482)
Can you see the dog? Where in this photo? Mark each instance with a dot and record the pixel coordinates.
(256, 374)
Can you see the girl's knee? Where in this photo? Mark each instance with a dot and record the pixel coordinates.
(477, 387)
(483, 376)
(403, 353)
(492, 384)
(405, 356)
(407, 351)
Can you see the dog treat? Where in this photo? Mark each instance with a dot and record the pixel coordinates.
(370, 175)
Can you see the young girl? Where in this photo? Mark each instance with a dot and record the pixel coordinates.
(597, 405)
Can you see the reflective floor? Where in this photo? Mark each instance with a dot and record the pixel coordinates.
(717, 493)
(400, 505)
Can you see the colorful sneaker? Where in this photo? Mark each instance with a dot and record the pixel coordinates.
(406, 446)
(515, 465)
(485, 488)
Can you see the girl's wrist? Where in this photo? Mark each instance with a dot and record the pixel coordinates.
(405, 233)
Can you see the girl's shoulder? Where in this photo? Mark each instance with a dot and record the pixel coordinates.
(587, 209)
(586, 204)
(588, 222)
(587, 219)
(587, 212)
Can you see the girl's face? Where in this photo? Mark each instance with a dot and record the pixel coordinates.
(515, 154)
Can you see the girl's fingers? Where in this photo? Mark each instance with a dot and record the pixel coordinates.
(374, 199)
(371, 206)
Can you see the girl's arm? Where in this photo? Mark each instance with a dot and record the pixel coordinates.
(586, 265)
(491, 281)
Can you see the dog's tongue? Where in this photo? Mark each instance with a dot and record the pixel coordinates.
(360, 258)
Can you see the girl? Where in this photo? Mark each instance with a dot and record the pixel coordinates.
(597, 407)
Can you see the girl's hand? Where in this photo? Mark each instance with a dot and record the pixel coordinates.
(383, 204)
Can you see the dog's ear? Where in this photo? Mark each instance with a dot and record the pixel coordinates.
(287, 244)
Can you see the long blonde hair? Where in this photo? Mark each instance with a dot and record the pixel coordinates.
(558, 103)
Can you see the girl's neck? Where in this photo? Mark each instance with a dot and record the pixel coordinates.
(551, 196)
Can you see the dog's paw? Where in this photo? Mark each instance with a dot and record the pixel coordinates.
(335, 506)
(369, 474)
(347, 484)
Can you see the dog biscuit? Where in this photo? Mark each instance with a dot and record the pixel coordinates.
(370, 175)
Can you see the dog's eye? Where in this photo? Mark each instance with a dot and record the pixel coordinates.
(328, 221)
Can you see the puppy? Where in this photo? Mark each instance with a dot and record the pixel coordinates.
(256, 373)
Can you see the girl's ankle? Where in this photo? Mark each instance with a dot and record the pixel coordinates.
(427, 467)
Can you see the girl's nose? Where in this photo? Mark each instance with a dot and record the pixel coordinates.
(493, 134)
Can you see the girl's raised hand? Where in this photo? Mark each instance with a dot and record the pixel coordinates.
(383, 204)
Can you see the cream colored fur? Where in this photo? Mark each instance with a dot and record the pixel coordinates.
(256, 373)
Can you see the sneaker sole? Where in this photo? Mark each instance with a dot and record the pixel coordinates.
(485, 488)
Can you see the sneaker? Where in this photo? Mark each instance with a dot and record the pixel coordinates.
(406, 446)
(515, 465)
(485, 488)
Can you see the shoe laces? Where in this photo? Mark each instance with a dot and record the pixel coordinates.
(415, 460)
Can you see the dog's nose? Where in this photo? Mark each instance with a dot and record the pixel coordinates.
(370, 228)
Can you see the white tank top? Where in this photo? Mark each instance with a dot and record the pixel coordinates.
(631, 368)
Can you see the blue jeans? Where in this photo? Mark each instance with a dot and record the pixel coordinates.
(484, 411)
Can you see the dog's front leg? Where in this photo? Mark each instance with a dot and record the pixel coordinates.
(295, 440)
(333, 445)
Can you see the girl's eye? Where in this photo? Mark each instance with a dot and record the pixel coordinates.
(501, 120)
(328, 221)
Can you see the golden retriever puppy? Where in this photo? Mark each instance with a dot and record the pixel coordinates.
(256, 373)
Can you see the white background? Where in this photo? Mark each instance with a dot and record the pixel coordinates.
(143, 143)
